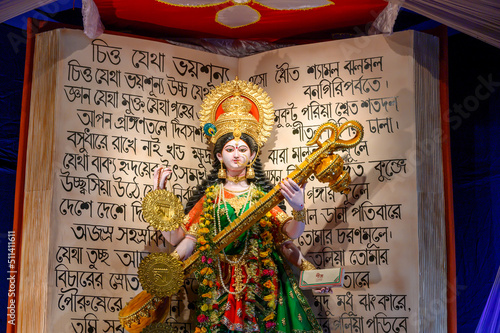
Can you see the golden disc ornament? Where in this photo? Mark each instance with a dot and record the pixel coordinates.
(162, 210)
(161, 274)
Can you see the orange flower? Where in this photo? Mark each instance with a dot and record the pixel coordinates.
(207, 295)
(264, 253)
(267, 237)
(206, 271)
(209, 283)
(203, 231)
(202, 240)
(269, 284)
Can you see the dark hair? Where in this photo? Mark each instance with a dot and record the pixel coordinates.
(260, 179)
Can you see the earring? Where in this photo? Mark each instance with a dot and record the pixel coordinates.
(222, 173)
(250, 172)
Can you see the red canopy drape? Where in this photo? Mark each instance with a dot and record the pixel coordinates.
(151, 15)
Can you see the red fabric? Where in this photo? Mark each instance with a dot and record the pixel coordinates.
(253, 111)
(153, 15)
(231, 318)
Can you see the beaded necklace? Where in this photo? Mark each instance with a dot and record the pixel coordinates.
(219, 229)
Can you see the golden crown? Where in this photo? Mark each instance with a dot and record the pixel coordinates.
(237, 107)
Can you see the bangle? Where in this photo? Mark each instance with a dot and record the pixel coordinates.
(299, 215)
(193, 230)
(283, 239)
(282, 218)
(306, 266)
(191, 237)
(176, 255)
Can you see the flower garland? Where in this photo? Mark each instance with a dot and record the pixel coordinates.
(263, 280)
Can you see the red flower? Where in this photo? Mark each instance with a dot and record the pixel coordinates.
(270, 324)
(202, 318)
(215, 306)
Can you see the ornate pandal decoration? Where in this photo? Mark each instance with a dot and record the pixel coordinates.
(241, 12)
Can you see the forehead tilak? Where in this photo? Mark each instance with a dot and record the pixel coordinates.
(236, 143)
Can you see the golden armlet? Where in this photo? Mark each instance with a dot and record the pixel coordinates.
(300, 215)
(306, 266)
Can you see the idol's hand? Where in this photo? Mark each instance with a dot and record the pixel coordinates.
(292, 253)
(293, 193)
(160, 177)
(185, 247)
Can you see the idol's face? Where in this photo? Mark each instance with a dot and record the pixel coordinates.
(236, 155)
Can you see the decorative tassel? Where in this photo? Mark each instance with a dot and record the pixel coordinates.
(250, 173)
(222, 172)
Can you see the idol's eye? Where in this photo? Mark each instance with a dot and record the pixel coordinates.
(229, 149)
(243, 149)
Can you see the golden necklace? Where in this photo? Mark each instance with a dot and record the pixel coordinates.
(236, 179)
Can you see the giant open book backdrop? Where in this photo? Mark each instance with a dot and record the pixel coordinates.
(106, 112)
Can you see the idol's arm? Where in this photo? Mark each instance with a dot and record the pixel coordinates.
(184, 237)
(293, 228)
(185, 247)
(296, 258)
(294, 195)
(174, 236)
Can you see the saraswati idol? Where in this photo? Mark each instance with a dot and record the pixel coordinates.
(234, 234)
